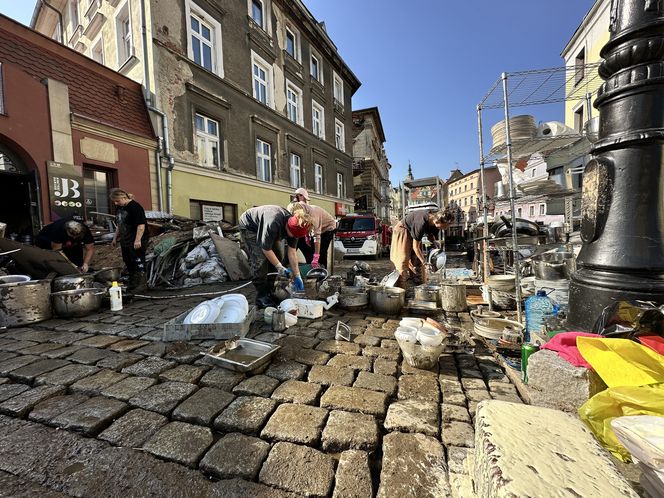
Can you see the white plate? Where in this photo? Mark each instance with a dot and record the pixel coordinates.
(206, 312)
(237, 298)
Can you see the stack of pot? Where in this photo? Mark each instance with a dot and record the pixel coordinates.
(552, 273)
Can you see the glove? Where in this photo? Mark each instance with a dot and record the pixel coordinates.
(298, 284)
(84, 268)
(314, 262)
(283, 271)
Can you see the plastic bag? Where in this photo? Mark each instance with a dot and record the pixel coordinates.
(197, 255)
(598, 412)
(622, 362)
(209, 246)
(191, 282)
(212, 271)
(643, 436)
(627, 319)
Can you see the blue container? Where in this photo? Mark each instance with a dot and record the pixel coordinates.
(538, 307)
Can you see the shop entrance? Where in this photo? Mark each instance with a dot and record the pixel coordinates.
(19, 206)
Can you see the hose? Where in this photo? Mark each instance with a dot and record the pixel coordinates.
(198, 294)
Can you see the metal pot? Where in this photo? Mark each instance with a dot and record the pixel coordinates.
(76, 303)
(25, 302)
(387, 300)
(428, 292)
(554, 265)
(353, 298)
(14, 279)
(523, 227)
(73, 282)
(110, 274)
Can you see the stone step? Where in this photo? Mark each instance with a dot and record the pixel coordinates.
(523, 450)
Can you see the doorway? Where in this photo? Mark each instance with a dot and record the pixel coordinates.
(19, 206)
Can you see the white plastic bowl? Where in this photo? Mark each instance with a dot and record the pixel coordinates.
(406, 334)
(429, 337)
(236, 298)
(231, 312)
(267, 314)
(411, 322)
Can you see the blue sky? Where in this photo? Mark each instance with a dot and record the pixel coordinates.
(426, 64)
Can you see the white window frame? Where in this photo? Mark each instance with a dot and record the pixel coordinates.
(532, 211)
(297, 105)
(125, 41)
(339, 138)
(316, 107)
(74, 15)
(341, 186)
(295, 167)
(263, 160)
(542, 209)
(267, 18)
(318, 178)
(338, 89)
(257, 60)
(319, 65)
(191, 9)
(207, 139)
(98, 44)
(297, 55)
(575, 112)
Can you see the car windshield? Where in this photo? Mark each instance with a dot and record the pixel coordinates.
(356, 224)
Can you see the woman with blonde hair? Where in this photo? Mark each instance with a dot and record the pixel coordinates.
(324, 226)
(406, 246)
(133, 237)
(262, 229)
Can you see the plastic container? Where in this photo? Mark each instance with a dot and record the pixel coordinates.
(538, 307)
(116, 297)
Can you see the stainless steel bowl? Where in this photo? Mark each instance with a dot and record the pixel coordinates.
(77, 303)
(73, 282)
(111, 274)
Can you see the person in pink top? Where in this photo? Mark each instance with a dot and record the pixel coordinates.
(323, 226)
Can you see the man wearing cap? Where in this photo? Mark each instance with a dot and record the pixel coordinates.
(70, 237)
(261, 230)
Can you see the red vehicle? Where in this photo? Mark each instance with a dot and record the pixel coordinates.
(362, 235)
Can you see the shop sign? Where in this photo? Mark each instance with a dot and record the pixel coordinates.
(65, 189)
(212, 213)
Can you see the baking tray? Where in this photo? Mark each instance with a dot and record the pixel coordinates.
(423, 307)
(175, 330)
(247, 356)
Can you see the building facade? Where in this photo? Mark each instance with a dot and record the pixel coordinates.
(251, 98)
(70, 129)
(464, 194)
(371, 169)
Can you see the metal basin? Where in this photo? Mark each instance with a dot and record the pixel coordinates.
(77, 303)
(111, 274)
(73, 282)
(353, 298)
(554, 265)
(25, 302)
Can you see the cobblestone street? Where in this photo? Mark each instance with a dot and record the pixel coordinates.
(101, 407)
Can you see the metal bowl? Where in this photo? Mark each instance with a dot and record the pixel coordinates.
(14, 279)
(73, 282)
(111, 274)
(554, 266)
(77, 303)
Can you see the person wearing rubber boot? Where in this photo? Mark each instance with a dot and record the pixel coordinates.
(324, 227)
(406, 246)
(262, 229)
(133, 237)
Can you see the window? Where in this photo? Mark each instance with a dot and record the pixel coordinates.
(2, 92)
(518, 212)
(123, 28)
(542, 210)
(73, 12)
(207, 141)
(263, 160)
(318, 120)
(578, 120)
(213, 211)
(318, 178)
(339, 139)
(465, 187)
(292, 43)
(97, 51)
(316, 70)
(338, 89)
(294, 103)
(532, 210)
(471, 185)
(295, 171)
(533, 173)
(465, 201)
(204, 35)
(579, 66)
(262, 77)
(257, 13)
(341, 186)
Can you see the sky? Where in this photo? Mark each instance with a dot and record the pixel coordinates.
(426, 64)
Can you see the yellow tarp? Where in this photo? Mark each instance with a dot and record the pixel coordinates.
(622, 362)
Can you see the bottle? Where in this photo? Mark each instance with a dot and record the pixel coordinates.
(116, 296)
(538, 307)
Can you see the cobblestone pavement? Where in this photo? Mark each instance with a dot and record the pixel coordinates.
(99, 406)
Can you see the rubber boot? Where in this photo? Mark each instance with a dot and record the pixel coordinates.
(141, 283)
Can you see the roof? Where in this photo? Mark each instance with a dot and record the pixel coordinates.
(95, 91)
(590, 16)
(424, 182)
(486, 168)
(376, 114)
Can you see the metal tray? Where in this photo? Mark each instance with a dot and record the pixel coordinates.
(175, 330)
(249, 355)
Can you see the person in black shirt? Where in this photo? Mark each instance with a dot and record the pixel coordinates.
(261, 230)
(406, 246)
(71, 237)
(133, 237)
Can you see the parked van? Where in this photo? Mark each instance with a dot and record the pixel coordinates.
(361, 235)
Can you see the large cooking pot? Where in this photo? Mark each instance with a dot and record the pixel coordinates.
(428, 292)
(110, 274)
(353, 298)
(25, 302)
(554, 265)
(77, 303)
(387, 300)
(14, 279)
(73, 282)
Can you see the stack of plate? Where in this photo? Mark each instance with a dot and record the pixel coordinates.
(521, 127)
(231, 308)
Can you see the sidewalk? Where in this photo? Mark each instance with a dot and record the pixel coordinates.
(325, 418)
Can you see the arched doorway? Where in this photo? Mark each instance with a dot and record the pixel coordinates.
(19, 201)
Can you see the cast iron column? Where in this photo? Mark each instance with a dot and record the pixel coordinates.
(623, 185)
